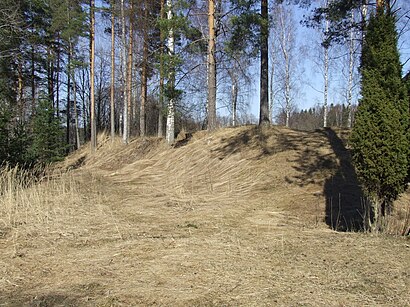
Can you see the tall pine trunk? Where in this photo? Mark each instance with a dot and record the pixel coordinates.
(33, 81)
(161, 75)
(144, 68)
(50, 74)
(129, 69)
(112, 111)
(92, 72)
(58, 78)
(68, 107)
(264, 77)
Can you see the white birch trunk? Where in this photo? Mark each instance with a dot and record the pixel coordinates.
(286, 50)
(351, 71)
(234, 94)
(326, 76)
(271, 90)
(171, 103)
(77, 132)
(211, 67)
(364, 12)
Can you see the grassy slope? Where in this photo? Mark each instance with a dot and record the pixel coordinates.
(238, 217)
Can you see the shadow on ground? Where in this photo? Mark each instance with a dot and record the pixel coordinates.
(267, 142)
(344, 197)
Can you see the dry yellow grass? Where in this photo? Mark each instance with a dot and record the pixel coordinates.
(236, 217)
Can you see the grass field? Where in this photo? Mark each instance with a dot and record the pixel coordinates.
(240, 217)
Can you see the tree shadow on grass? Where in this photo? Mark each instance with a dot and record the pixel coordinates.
(344, 196)
(259, 139)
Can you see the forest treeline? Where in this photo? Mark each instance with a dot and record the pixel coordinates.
(61, 83)
(71, 69)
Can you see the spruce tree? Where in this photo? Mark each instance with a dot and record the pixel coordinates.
(380, 145)
(48, 143)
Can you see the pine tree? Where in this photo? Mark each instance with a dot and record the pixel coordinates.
(379, 138)
(250, 33)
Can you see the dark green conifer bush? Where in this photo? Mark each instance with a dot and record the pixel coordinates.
(380, 143)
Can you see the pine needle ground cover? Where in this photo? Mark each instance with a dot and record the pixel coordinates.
(236, 217)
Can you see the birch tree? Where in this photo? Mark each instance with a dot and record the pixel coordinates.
(351, 71)
(325, 72)
(284, 35)
(125, 123)
(144, 68)
(211, 66)
(170, 132)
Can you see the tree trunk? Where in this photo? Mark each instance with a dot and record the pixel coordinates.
(144, 68)
(264, 77)
(50, 74)
(33, 82)
(171, 79)
(326, 76)
(234, 94)
(350, 81)
(129, 70)
(20, 88)
(68, 107)
(58, 78)
(326, 85)
(112, 111)
(271, 90)
(92, 72)
(364, 12)
(77, 130)
(234, 101)
(287, 91)
(124, 77)
(211, 67)
(161, 75)
(99, 99)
